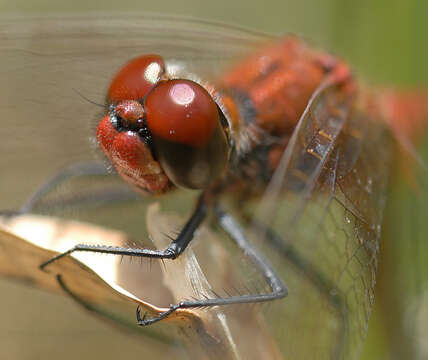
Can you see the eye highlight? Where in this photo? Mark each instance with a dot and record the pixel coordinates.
(136, 78)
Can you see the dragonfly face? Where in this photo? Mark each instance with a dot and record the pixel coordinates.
(285, 128)
(174, 121)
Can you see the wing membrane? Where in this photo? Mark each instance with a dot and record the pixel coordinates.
(309, 148)
(325, 204)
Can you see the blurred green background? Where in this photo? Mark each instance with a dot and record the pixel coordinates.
(385, 41)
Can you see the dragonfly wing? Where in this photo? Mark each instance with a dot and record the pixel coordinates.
(324, 204)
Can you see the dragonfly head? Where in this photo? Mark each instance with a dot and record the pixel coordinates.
(162, 131)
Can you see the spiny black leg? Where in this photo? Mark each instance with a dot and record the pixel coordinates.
(235, 232)
(142, 321)
(171, 252)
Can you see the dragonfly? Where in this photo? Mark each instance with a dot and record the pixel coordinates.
(282, 149)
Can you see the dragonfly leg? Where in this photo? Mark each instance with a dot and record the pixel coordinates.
(171, 252)
(236, 233)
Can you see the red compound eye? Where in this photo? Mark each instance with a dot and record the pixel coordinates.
(136, 78)
(187, 134)
(181, 111)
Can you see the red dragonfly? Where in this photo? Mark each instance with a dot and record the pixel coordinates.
(285, 144)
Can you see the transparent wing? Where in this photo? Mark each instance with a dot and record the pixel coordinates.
(321, 220)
